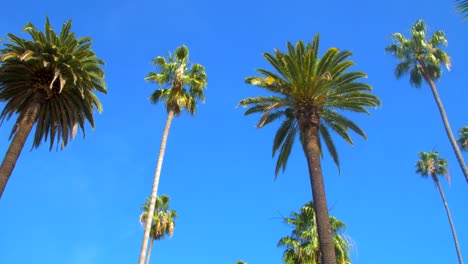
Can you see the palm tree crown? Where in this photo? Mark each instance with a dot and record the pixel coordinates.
(463, 139)
(309, 90)
(302, 246)
(430, 164)
(163, 222)
(419, 57)
(58, 71)
(174, 75)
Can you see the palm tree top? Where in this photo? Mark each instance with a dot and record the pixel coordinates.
(62, 68)
(306, 88)
(430, 164)
(419, 56)
(180, 82)
(163, 218)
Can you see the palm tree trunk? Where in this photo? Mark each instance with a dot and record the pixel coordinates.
(312, 151)
(154, 191)
(452, 226)
(24, 125)
(149, 251)
(448, 129)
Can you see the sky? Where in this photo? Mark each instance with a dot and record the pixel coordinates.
(81, 205)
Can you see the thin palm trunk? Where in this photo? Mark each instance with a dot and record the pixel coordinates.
(24, 126)
(312, 151)
(154, 192)
(452, 226)
(448, 129)
(150, 248)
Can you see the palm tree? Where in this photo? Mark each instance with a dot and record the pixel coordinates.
(311, 93)
(241, 262)
(180, 85)
(48, 81)
(462, 7)
(302, 246)
(463, 139)
(422, 59)
(429, 164)
(163, 220)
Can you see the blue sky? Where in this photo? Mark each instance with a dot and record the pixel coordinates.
(81, 205)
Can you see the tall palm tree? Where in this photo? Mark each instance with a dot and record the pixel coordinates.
(429, 164)
(163, 220)
(462, 7)
(49, 81)
(180, 86)
(302, 246)
(311, 93)
(463, 139)
(422, 59)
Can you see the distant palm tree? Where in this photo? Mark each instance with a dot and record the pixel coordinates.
(180, 86)
(462, 7)
(241, 262)
(429, 164)
(302, 246)
(463, 139)
(49, 81)
(422, 59)
(163, 220)
(310, 94)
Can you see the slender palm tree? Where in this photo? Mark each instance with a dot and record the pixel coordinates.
(310, 94)
(463, 139)
(180, 86)
(163, 220)
(302, 246)
(462, 7)
(429, 164)
(422, 59)
(49, 81)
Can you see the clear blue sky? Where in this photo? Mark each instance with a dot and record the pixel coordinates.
(81, 205)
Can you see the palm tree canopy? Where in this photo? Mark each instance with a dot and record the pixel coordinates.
(463, 139)
(302, 246)
(417, 55)
(180, 82)
(62, 69)
(163, 218)
(309, 90)
(429, 164)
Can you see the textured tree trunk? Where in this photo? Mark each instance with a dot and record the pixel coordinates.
(448, 129)
(312, 151)
(154, 192)
(150, 248)
(452, 226)
(24, 125)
